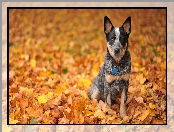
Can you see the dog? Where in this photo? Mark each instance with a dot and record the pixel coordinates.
(113, 77)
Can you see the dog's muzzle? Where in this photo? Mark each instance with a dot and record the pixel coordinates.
(117, 51)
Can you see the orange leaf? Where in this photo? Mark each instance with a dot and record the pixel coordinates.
(63, 121)
(140, 78)
(95, 70)
(23, 103)
(144, 115)
(55, 112)
(61, 87)
(155, 86)
(49, 95)
(46, 121)
(69, 101)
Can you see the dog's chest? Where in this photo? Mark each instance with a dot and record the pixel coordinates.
(115, 68)
(118, 68)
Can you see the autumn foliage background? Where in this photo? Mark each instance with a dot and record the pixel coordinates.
(55, 54)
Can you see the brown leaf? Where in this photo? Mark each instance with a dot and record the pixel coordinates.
(139, 100)
(55, 112)
(23, 103)
(11, 74)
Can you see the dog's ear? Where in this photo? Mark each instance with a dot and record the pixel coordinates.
(107, 25)
(127, 25)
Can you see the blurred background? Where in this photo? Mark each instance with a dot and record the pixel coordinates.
(79, 33)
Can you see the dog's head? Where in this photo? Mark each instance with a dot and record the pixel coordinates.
(117, 37)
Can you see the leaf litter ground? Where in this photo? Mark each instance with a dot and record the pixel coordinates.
(54, 55)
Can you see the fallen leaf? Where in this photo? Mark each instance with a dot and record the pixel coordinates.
(11, 74)
(152, 106)
(47, 112)
(55, 112)
(84, 82)
(140, 78)
(12, 121)
(33, 121)
(33, 63)
(49, 95)
(139, 100)
(143, 89)
(99, 114)
(42, 99)
(23, 103)
(144, 115)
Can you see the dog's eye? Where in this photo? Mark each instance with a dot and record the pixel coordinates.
(120, 37)
(112, 39)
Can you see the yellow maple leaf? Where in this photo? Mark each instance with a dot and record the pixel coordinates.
(62, 87)
(155, 86)
(33, 63)
(136, 64)
(152, 106)
(25, 56)
(144, 115)
(89, 110)
(47, 112)
(67, 91)
(99, 114)
(42, 99)
(12, 121)
(85, 82)
(110, 118)
(46, 122)
(49, 95)
(83, 93)
(143, 89)
(151, 111)
(142, 69)
(140, 78)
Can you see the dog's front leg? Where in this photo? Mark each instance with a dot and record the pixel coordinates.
(107, 94)
(123, 103)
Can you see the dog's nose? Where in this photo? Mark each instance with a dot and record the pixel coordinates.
(117, 51)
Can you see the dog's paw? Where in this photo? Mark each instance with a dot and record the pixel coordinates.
(126, 119)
